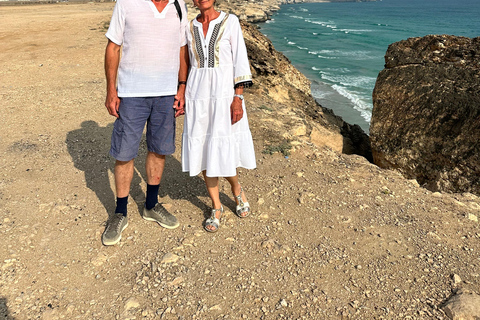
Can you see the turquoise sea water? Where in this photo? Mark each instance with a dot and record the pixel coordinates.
(340, 47)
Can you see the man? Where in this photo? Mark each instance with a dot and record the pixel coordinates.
(145, 85)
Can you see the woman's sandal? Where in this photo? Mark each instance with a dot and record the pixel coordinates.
(243, 208)
(213, 221)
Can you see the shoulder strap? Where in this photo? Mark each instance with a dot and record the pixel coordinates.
(179, 10)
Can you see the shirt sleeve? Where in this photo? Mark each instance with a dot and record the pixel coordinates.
(183, 24)
(242, 74)
(117, 24)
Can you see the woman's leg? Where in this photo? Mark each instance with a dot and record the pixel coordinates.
(212, 187)
(236, 190)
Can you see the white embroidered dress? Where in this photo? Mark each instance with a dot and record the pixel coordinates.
(218, 62)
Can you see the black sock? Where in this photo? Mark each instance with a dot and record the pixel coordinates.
(152, 196)
(122, 205)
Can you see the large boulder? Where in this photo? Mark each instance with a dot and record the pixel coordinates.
(426, 112)
(463, 306)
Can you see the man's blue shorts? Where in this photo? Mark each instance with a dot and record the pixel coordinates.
(159, 115)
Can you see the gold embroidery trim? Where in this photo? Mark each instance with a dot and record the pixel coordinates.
(217, 41)
(243, 79)
(194, 44)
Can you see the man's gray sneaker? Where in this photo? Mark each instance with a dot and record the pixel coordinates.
(113, 232)
(161, 215)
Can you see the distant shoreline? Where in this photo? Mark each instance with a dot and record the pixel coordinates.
(42, 2)
(33, 2)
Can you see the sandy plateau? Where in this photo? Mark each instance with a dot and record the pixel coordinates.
(332, 235)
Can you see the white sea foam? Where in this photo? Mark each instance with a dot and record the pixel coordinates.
(364, 108)
(302, 48)
(335, 54)
(317, 93)
(347, 80)
(335, 70)
(325, 57)
(356, 31)
(291, 42)
(326, 24)
(321, 52)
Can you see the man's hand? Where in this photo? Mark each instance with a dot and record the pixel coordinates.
(179, 104)
(236, 110)
(112, 103)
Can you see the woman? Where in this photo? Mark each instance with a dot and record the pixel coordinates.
(216, 137)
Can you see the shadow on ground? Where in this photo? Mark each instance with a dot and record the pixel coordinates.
(4, 313)
(89, 148)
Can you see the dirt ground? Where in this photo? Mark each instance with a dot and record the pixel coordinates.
(332, 236)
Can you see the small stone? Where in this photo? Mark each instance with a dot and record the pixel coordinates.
(260, 201)
(70, 308)
(131, 303)
(176, 281)
(170, 258)
(215, 308)
(472, 217)
(456, 279)
(271, 245)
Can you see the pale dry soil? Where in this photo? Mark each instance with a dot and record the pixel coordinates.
(331, 236)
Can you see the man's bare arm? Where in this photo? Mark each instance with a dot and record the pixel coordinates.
(112, 59)
(182, 79)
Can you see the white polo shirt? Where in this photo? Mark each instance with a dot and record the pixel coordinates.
(151, 42)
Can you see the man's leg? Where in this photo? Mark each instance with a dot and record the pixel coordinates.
(160, 142)
(123, 179)
(118, 221)
(126, 136)
(154, 166)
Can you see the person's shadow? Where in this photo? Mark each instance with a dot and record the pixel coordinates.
(89, 148)
(4, 313)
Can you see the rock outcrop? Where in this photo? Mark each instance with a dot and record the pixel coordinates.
(426, 114)
(463, 306)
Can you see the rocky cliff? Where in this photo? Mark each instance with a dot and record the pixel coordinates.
(426, 115)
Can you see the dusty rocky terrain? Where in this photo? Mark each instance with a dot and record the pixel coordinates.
(332, 236)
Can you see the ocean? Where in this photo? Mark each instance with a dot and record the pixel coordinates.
(340, 46)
